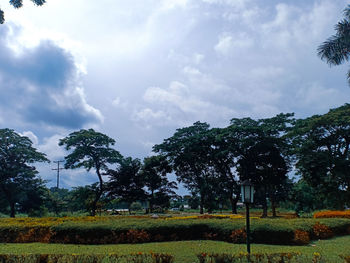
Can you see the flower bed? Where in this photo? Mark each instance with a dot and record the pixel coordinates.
(332, 214)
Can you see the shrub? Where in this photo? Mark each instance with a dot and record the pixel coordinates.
(301, 237)
(322, 231)
(93, 258)
(238, 236)
(244, 257)
(346, 258)
(129, 229)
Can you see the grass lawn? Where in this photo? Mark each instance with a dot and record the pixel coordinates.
(184, 251)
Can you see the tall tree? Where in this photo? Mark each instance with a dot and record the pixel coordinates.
(19, 4)
(336, 49)
(17, 173)
(189, 153)
(90, 150)
(154, 172)
(258, 152)
(322, 146)
(126, 182)
(225, 163)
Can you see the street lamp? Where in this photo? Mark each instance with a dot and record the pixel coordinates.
(247, 191)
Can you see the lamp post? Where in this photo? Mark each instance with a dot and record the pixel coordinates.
(247, 191)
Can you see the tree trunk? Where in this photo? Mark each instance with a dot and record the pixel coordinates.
(233, 202)
(273, 207)
(13, 210)
(264, 205)
(151, 201)
(98, 193)
(201, 204)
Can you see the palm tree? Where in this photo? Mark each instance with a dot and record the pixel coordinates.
(336, 49)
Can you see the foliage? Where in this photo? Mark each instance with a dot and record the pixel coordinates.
(189, 153)
(136, 229)
(321, 144)
(18, 177)
(335, 50)
(19, 4)
(301, 237)
(90, 149)
(126, 181)
(154, 175)
(88, 258)
(259, 258)
(186, 251)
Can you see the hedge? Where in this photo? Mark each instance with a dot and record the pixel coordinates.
(140, 230)
(93, 258)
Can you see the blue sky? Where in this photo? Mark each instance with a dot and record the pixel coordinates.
(137, 70)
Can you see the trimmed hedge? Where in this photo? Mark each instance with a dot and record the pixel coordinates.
(93, 258)
(265, 258)
(124, 230)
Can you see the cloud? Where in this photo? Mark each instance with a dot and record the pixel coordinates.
(229, 43)
(31, 136)
(41, 85)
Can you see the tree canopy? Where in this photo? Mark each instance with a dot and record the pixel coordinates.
(18, 176)
(322, 147)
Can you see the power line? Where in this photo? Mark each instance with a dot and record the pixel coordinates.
(58, 169)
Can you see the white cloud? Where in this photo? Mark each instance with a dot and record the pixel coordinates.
(229, 44)
(31, 136)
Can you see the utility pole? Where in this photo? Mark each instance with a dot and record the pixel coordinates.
(58, 172)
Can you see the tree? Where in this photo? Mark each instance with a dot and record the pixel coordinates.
(225, 163)
(256, 150)
(17, 174)
(336, 49)
(90, 149)
(321, 144)
(125, 182)
(189, 152)
(82, 198)
(154, 175)
(19, 4)
(57, 200)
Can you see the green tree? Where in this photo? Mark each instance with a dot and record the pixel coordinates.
(90, 150)
(189, 152)
(126, 182)
(154, 172)
(82, 198)
(259, 152)
(18, 176)
(225, 163)
(57, 199)
(19, 4)
(321, 143)
(336, 49)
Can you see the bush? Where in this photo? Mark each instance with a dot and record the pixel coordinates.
(58, 258)
(322, 231)
(136, 206)
(132, 229)
(301, 237)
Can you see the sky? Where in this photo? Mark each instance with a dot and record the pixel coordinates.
(138, 70)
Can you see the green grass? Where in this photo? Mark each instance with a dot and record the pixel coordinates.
(184, 251)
